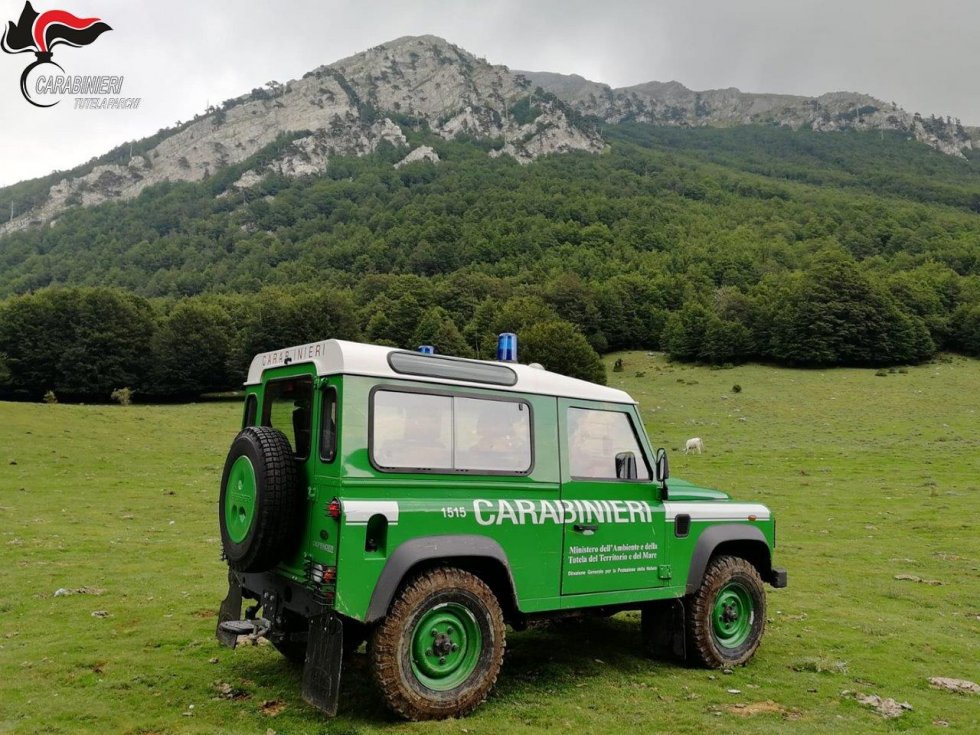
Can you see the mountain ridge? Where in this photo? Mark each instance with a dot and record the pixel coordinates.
(672, 103)
(370, 99)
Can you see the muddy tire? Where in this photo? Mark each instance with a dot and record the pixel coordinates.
(259, 504)
(439, 650)
(727, 615)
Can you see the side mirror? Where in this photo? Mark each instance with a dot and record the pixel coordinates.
(626, 466)
(662, 469)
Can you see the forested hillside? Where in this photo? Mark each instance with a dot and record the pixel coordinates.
(718, 245)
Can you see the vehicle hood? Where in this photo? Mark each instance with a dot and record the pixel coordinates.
(683, 490)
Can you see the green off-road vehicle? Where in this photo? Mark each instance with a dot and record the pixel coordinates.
(424, 502)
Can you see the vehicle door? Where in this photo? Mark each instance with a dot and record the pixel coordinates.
(613, 524)
(292, 403)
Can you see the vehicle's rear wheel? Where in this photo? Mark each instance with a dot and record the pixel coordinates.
(727, 615)
(259, 502)
(439, 650)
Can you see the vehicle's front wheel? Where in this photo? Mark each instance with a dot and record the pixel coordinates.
(727, 615)
(439, 650)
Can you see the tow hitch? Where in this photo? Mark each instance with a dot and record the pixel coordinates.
(324, 640)
(230, 630)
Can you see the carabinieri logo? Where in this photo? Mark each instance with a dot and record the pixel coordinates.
(41, 33)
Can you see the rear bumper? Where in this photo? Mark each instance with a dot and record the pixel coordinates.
(274, 590)
(777, 578)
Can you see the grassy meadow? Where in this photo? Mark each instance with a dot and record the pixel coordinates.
(871, 476)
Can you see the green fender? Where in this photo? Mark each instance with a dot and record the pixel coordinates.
(746, 541)
(436, 548)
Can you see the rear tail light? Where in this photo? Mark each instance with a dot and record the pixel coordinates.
(333, 510)
(321, 574)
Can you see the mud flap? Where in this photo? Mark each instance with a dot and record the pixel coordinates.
(324, 654)
(662, 627)
(231, 609)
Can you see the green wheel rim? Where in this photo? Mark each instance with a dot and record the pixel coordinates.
(732, 615)
(240, 499)
(446, 646)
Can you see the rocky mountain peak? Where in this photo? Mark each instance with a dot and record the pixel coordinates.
(345, 108)
(352, 106)
(671, 103)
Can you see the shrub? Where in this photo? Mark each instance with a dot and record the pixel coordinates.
(736, 388)
(50, 398)
(122, 396)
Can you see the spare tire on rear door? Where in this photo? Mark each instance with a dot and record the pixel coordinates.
(260, 500)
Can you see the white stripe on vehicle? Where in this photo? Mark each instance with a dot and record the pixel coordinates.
(359, 512)
(716, 511)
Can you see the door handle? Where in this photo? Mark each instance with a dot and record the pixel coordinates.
(587, 528)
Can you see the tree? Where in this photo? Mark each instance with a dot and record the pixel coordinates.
(436, 328)
(394, 322)
(836, 315)
(561, 348)
(686, 330)
(966, 329)
(275, 318)
(191, 351)
(4, 371)
(33, 330)
(79, 342)
(516, 315)
(725, 342)
(520, 312)
(570, 297)
(478, 331)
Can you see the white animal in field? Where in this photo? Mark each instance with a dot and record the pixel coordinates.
(694, 445)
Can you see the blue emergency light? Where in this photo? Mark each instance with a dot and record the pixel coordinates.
(427, 349)
(507, 347)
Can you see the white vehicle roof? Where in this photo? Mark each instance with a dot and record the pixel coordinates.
(335, 357)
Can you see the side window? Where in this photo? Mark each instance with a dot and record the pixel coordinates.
(602, 445)
(328, 426)
(412, 430)
(288, 407)
(439, 433)
(251, 407)
(492, 435)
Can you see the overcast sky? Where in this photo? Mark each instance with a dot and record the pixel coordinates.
(179, 55)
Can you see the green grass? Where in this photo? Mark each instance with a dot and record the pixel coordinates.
(869, 477)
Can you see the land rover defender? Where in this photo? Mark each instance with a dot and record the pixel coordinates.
(424, 502)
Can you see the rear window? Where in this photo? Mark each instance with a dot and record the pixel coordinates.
(328, 426)
(452, 434)
(288, 406)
